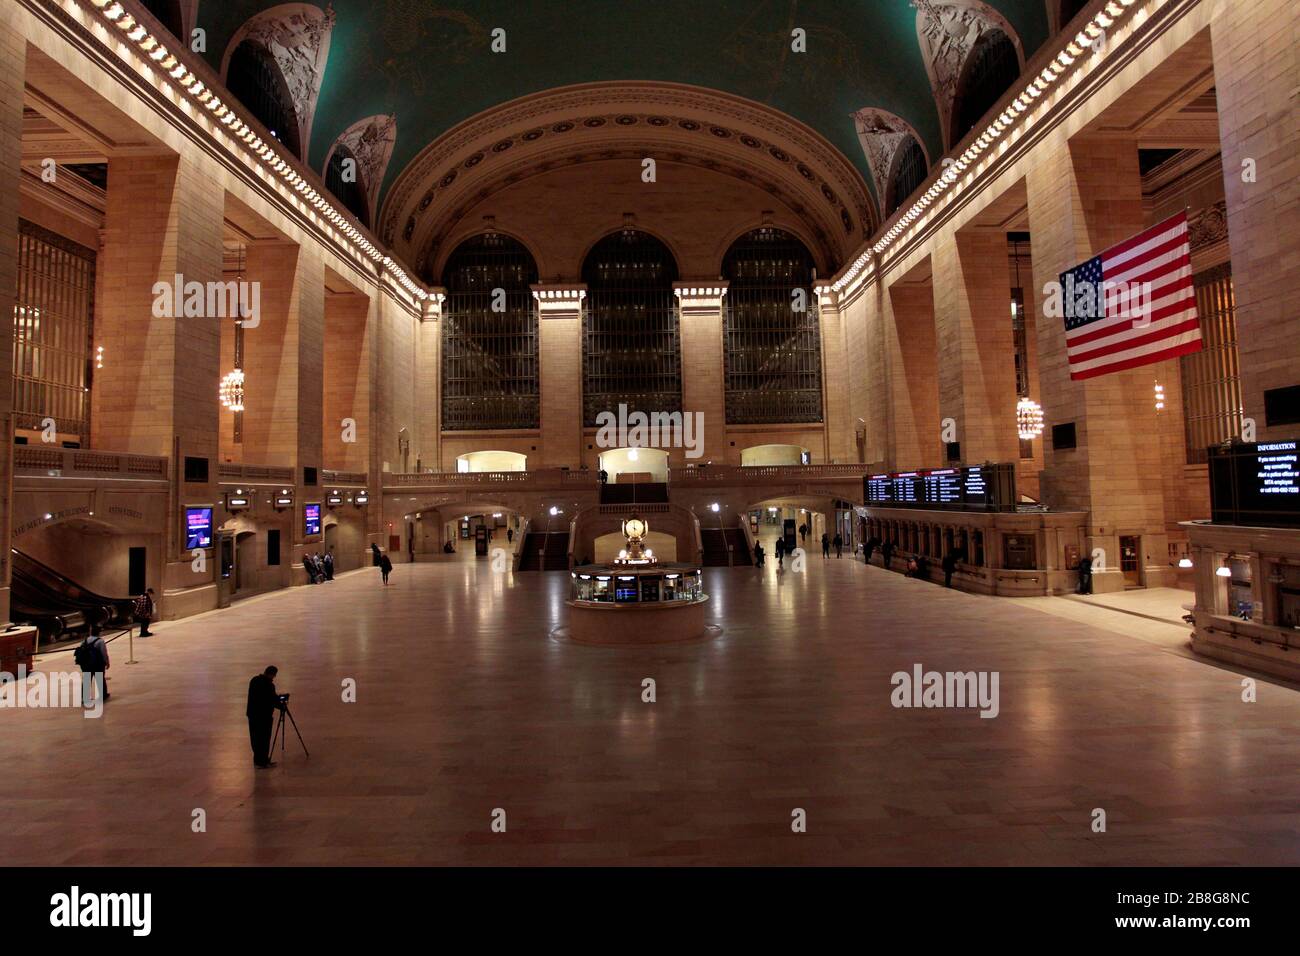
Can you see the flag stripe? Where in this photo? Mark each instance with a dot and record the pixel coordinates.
(1144, 305)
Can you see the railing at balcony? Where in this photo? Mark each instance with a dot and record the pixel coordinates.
(330, 477)
(81, 463)
(542, 478)
(231, 471)
(764, 474)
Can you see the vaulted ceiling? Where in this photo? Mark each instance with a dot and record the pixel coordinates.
(429, 64)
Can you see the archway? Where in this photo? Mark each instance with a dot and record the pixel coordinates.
(635, 465)
(758, 455)
(491, 461)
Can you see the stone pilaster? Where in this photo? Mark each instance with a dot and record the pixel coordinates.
(559, 340)
(703, 387)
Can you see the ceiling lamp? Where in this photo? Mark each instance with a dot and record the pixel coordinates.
(232, 390)
(1029, 419)
(1184, 562)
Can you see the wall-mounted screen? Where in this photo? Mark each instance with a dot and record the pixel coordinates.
(311, 519)
(198, 528)
(1256, 483)
(969, 488)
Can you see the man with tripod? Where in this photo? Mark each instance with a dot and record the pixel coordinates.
(262, 702)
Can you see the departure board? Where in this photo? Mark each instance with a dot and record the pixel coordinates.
(968, 488)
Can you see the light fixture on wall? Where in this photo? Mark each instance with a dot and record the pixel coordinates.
(1029, 419)
(232, 390)
(1160, 397)
(1184, 562)
(1223, 570)
(99, 357)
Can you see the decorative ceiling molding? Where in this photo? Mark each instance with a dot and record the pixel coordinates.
(947, 31)
(882, 134)
(297, 35)
(598, 121)
(370, 141)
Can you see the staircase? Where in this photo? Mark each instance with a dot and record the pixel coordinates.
(740, 555)
(640, 493)
(557, 551)
(715, 548)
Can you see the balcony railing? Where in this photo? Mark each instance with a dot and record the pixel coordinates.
(542, 478)
(81, 463)
(330, 477)
(550, 478)
(231, 471)
(763, 474)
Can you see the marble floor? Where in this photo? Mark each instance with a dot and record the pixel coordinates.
(465, 702)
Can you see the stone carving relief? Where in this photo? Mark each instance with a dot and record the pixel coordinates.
(882, 134)
(371, 143)
(1208, 226)
(947, 31)
(297, 35)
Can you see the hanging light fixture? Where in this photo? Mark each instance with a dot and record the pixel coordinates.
(1160, 397)
(1224, 570)
(232, 390)
(1029, 419)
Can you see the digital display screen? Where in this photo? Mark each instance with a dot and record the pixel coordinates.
(1256, 483)
(625, 592)
(969, 488)
(311, 519)
(198, 528)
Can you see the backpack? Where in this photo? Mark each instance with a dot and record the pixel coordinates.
(86, 656)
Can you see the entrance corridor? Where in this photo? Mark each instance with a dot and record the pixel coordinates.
(465, 703)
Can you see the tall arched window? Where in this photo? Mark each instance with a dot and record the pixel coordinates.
(631, 341)
(351, 192)
(989, 72)
(489, 337)
(255, 79)
(772, 348)
(909, 171)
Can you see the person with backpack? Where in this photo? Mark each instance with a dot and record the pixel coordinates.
(143, 612)
(385, 567)
(91, 656)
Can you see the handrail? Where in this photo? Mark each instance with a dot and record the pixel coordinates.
(740, 474)
(70, 462)
(236, 471)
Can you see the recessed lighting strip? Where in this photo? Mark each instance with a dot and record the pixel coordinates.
(150, 46)
(1005, 122)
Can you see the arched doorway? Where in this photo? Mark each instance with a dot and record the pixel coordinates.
(491, 461)
(635, 465)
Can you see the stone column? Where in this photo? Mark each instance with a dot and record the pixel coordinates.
(158, 393)
(13, 57)
(284, 358)
(703, 387)
(1083, 200)
(976, 347)
(913, 400)
(1255, 84)
(347, 383)
(836, 358)
(559, 341)
(429, 384)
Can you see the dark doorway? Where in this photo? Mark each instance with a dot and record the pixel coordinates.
(135, 573)
(1129, 550)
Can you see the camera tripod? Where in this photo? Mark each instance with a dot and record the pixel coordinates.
(279, 727)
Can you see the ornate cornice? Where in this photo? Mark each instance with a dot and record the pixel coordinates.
(679, 121)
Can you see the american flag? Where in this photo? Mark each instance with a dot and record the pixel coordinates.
(1148, 315)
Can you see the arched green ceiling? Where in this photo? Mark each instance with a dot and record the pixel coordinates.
(429, 61)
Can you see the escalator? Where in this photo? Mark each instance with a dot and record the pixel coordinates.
(59, 607)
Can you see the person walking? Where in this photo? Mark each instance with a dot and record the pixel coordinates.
(839, 545)
(887, 554)
(803, 534)
(385, 567)
(780, 552)
(510, 535)
(869, 548)
(374, 555)
(143, 612)
(262, 701)
(949, 566)
(759, 554)
(1085, 575)
(826, 545)
(91, 656)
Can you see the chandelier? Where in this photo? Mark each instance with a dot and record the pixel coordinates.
(232, 390)
(1029, 419)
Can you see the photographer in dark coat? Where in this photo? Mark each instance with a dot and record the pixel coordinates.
(262, 703)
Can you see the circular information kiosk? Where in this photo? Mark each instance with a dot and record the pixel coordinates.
(634, 599)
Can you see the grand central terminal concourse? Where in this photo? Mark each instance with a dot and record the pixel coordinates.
(650, 434)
